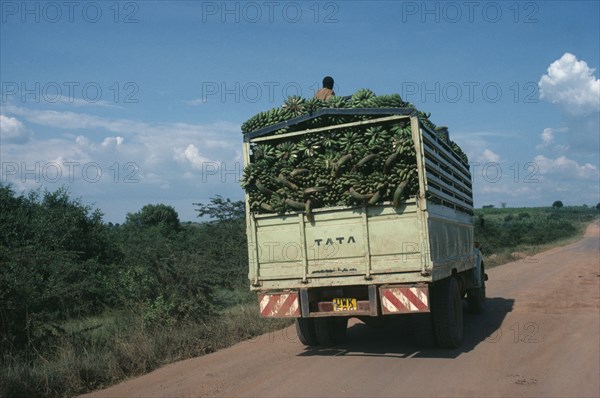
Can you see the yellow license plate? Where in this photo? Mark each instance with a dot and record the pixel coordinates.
(344, 304)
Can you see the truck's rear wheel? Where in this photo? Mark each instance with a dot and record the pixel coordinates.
(305, 329)
(331, 330)
(447, 313)
(476, 297)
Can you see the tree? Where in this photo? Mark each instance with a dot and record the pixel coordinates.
(598, 206)
(155, 215)
(557, 204)
(224, 240)
(221, 209)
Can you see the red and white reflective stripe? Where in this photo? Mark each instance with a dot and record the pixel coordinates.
(279, 305)
(403, 299)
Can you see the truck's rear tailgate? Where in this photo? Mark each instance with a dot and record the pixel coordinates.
(341, 242)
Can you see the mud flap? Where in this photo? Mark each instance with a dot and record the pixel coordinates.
(404, 299)
(279, 305)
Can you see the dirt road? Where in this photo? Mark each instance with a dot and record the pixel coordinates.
(539, 337)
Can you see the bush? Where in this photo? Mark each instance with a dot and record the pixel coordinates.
(56, 263)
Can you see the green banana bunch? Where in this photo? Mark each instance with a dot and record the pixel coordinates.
(295, 105)
(361, 98)
(345, 167)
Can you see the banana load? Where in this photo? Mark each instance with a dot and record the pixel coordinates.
(358, 165)
(296, 106)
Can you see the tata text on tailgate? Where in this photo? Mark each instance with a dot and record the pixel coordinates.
(359, 207)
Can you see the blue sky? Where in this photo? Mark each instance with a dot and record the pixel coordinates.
(136, 102)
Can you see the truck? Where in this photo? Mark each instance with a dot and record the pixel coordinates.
(373, 260)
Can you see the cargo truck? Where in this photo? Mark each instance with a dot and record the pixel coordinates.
(416, 258)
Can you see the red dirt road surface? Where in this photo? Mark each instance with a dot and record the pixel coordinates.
(540, 336)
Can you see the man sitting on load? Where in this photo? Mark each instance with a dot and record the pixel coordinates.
(327, 91)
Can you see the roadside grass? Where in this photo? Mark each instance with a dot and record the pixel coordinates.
(510, 234)
(97, 352)
(515, 253)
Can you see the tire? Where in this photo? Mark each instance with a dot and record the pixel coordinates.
(447, 313)
(476, 297)
(331, 330)
(305, 329)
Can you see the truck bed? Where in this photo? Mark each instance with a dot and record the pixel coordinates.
(359, 246)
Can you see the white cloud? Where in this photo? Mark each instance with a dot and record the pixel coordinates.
(75, 120)
(139, 161)
(507, 189)
(570, 83)
(500, 175)
(562, 167)
(191, 155)
(150, 144)
(551, 141)
(561, 148)
(196, 102)
(547, 136)
(83, 141)
(13, 130)
(539, 183)
(112, 141)
(477, 146)
(489, 156)
(79, 102)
